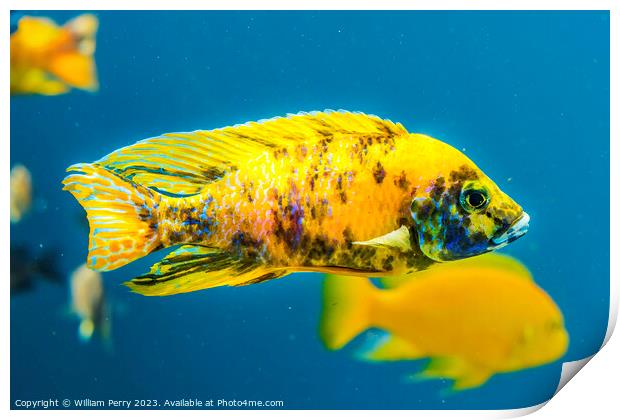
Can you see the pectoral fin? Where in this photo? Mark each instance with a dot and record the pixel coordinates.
(397, 239)
(191, 268)
(391, 348)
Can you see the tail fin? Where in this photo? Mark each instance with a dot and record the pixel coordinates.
(347, 309)
(77, 67)
(83, 27)
(121, 215)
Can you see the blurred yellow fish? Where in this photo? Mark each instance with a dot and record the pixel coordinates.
(48, 59)
(332, 191)
(473, 318)
(88, 303)
(21, 192)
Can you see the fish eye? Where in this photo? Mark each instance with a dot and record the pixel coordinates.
(474, 199)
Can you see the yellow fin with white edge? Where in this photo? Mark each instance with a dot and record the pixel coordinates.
(397, 239)
(180, 164)
(191, 267)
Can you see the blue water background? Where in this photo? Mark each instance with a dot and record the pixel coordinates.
(525, 94)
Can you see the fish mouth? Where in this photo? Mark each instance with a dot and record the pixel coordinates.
(518, 228)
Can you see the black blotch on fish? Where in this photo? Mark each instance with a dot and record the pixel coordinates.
(287, 225)
(278, 153)
(464, 173)
(347, 235)
(213, 173)
(402, 182)
(244, 245)
(417, 262)
(439, 186)
(145, 213)
(423, 208)
(378, 173)
(320, 248)
(387, 263)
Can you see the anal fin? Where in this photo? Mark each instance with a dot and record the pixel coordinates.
(190, 268)
(473, 379)
(464, 374)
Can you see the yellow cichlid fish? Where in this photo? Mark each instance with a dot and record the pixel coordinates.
(48, 59)
(335, 192)
(473, 318)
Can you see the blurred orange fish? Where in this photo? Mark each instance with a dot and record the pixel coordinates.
(88, 303)
(21, 192)
(47, 59)
(473, 318)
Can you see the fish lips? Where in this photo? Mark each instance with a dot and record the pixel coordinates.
(518, 228)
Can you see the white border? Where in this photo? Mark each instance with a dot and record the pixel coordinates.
(593, 392)
(313, 5)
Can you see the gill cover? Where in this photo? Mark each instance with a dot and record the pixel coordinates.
(464, 216)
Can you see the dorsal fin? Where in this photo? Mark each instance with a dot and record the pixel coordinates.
(182, 163)
(36, 32)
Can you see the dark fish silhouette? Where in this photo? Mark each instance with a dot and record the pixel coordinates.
(28, 268)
